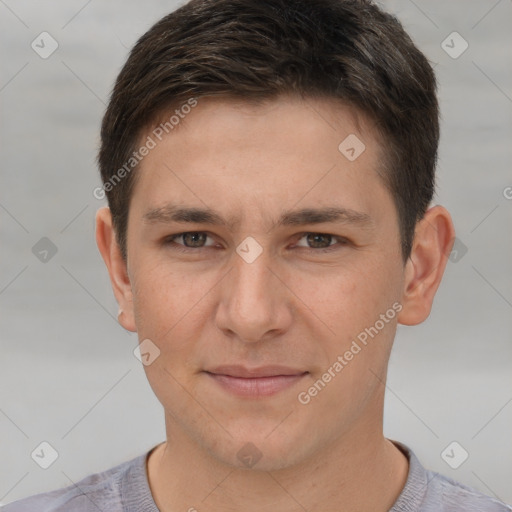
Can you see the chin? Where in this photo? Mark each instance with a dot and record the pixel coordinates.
(256, 450)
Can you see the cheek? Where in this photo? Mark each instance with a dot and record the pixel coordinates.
(161, 298)
(165, 314)
(350, 302)
(347, 299)
(172, 308)
(356, 349)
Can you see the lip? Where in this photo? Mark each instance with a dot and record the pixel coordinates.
(255, 382)
(247, 373)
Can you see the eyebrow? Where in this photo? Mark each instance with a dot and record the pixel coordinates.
(172, 213)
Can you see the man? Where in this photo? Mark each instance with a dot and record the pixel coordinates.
(269, 168)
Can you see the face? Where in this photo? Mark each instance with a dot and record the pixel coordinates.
(274, 312)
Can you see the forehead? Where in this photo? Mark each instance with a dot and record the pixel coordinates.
(279, 153)
(314, 115)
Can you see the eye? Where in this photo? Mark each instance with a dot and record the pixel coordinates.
(315, 242)
(191, 239)
(322, 241)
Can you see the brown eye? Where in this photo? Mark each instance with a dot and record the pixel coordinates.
(194, 239)
(191, 240)
(319, 241)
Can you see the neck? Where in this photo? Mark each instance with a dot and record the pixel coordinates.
(360, 471)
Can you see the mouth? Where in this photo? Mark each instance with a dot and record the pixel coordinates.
(256, 382)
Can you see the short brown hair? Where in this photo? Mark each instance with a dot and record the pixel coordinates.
(347, 50)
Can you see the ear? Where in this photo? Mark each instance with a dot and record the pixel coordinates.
(117, 267)
(433, 241)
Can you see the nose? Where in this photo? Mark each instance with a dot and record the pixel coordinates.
(255, 303)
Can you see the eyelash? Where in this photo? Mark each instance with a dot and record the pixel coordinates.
(181, 248)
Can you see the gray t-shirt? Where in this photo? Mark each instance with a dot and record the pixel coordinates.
(125, 488)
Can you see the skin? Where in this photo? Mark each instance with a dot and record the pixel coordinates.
(293, 305)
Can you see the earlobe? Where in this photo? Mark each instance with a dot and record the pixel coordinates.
(116, 266)
(425, 267)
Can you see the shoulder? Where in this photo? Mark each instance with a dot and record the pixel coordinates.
(447, 495)
(429, 491)
(99, 491)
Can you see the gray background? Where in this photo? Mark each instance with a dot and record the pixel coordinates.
(67, 372)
